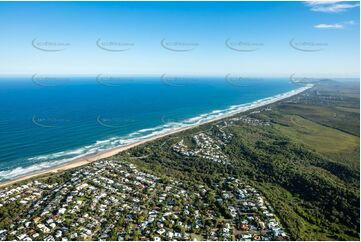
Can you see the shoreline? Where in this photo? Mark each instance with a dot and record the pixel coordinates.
(87, 159)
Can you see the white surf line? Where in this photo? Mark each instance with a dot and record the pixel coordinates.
(13, 175)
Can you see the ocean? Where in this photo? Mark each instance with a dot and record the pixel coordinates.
(46, 121)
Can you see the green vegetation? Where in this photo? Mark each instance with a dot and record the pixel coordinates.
(301, 155)
(306, 162)
(322, 139)
(332, 104)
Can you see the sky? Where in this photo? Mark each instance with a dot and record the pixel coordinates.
(266, 39)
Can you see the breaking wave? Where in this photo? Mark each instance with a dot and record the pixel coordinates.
(44, 162)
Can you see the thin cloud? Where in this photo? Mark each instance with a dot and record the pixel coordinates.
(329, 26)
(314, 3)
(331, 6)
(334, 26)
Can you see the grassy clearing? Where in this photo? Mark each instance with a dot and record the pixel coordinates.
(330, 142)
(351, 110)
(338, 117)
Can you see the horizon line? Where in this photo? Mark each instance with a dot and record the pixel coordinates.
(170, 75)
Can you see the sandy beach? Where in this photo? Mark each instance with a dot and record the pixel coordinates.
(108, 153)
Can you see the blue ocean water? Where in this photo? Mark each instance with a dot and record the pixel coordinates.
(48, 121)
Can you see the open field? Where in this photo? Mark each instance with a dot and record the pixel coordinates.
(328, 141)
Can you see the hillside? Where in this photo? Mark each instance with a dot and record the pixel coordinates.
(302, 153)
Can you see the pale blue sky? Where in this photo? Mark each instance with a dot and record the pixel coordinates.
(264, 38)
